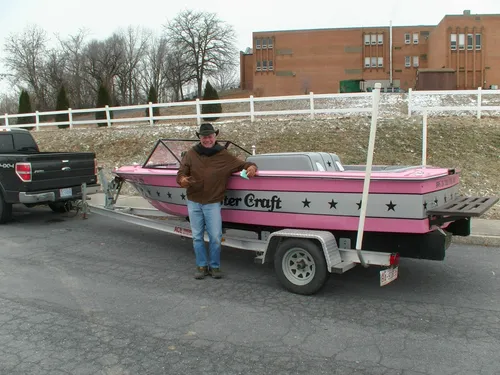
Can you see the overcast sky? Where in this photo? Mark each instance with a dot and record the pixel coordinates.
(102, 17)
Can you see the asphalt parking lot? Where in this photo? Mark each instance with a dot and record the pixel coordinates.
(97, 296)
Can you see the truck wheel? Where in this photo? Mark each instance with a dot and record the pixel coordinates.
(61, 207)
(300, 266)
(5, 210)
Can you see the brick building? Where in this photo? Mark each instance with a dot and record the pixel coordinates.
(299, 61)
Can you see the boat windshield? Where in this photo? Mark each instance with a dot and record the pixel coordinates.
(168, 153)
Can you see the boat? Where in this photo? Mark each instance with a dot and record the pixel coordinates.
(410, 210)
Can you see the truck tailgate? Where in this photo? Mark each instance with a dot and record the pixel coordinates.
(51, 170)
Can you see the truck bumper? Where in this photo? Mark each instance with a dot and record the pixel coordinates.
(55, 195)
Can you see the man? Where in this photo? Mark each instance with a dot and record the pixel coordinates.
(204, 172)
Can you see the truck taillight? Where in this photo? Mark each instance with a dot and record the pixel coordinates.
(23, 171)
(95, 166)
(394, 259)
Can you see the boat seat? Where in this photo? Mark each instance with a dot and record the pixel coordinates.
(297, 161)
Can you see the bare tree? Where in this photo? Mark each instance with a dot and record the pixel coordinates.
(73, 51)
(207, 41)
(26, 53)
(9, 103)
(52, 76)
(226, 77)
(154, 67)
(103, 61)
(135, 44)
(178, 72)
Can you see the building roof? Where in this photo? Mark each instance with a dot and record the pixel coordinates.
(339, 28)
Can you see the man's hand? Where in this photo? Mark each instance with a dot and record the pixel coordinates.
(251, 170)
(185, 181)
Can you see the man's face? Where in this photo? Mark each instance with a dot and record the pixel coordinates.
(208, 141)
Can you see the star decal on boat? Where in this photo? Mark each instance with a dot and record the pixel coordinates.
(436, 201)
(359, 204)
(329, 163)
(183, 196)
(390, 206)
(306, 203)
(158, 192)
(169, 195)
(333, 204)
(425, 205)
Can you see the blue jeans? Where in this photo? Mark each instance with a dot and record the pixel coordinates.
(206, 217)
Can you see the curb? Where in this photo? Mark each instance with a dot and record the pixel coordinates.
(478, 240)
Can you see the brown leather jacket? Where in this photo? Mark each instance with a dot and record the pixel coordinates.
(209, 174)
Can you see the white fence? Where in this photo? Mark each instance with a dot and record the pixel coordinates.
(311, 105)
(467, 100)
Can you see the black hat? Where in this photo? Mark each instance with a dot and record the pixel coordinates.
(207, 129)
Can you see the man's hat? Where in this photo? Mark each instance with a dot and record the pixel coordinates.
(207, 129)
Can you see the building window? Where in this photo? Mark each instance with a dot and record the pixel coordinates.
(415, 61)
(407, 38)
(478, 41)
(258, 66)
(453, 41)
(264, 43)
(380, 62)
(264, 65)
(461, 41)
(374, 62)
(270, 66)
(257, 44)
(380, 38)
(373, 39)
(415, 38)
(407, 61)
(470, 41)
(367, 62)
(367, 39)
(270, 43)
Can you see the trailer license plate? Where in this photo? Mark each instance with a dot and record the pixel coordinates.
(67, 192)
(388, 275)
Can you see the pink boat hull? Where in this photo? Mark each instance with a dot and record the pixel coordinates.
(397, 202)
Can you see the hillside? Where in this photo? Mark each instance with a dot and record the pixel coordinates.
(463, 142)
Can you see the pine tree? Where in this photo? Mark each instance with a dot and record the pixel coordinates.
(211, 94)
(62, 104)
(153, 98)
(25, 107)
(103, 99)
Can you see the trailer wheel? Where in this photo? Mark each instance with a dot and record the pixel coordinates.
(300, 266)
(5, 210)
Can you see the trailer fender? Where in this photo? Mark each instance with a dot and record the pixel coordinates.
(326, 240)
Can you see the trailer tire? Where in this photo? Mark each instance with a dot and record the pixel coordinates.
(300, 266)
(5, 210)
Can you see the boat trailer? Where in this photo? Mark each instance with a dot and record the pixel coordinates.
(303, 259)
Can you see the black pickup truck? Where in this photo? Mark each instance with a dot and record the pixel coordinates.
(31, 177)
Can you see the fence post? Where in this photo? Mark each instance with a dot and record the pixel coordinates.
(409, 102)
(7, 120)
(70, 117)
(479, 100)
(311, 101)
(150, 113)
(252, 109)
(424, 139)
(198, 111)
(107, 115)
(37, 120)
